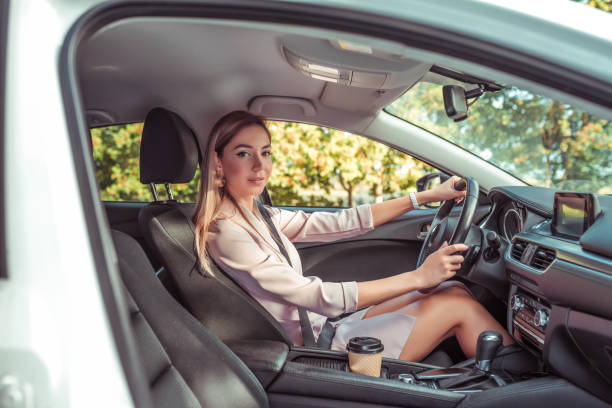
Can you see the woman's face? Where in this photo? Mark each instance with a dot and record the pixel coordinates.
(246, 163)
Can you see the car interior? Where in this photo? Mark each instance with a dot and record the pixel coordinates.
(197, 339)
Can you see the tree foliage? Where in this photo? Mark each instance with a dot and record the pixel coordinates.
(605, 5)
(314, 166)
(318, 166)
(539, 140)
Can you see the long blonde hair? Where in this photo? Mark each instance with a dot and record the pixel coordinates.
(212, 191)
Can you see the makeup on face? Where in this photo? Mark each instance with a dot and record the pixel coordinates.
(247, 163)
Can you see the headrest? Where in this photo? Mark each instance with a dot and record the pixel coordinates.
(168, 150)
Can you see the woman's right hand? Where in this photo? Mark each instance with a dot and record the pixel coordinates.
(440, 265)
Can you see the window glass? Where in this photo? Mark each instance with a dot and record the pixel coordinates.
(536, 139)
(319, 166)
(313, 166)
(116, 151)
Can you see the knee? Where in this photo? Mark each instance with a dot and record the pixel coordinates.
(458, 291)
(455, 300)
(448, 300)
(472, 310)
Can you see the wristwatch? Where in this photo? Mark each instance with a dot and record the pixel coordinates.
(415, 203)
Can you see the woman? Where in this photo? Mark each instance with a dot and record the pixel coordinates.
(230, 229)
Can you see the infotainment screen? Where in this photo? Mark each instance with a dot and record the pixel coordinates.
(572, 214)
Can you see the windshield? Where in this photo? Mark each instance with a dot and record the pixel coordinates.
(534, 138)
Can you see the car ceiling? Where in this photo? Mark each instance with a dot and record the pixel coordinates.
(202, 69)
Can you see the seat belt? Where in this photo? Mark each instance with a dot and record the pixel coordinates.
(307, 333)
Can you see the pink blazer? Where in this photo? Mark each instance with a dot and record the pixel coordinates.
(252, 258)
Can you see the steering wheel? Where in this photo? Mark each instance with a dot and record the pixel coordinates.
(441, 228)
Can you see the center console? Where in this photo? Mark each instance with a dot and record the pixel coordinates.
(529, 311)
(305, 377)
(298, 376)
(528, 317)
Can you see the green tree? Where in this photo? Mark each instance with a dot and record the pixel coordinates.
(314, 165)
(546, 143)
(605, 5)
(542, 141)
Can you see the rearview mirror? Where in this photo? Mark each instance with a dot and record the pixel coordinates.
(455, 102)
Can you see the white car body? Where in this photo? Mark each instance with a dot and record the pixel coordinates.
(57, 347)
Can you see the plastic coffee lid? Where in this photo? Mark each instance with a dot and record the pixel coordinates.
(365, 345)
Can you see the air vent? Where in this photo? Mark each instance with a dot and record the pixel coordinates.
(518, 248)
(542, 258)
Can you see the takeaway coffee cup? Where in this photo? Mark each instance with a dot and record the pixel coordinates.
(365, 355)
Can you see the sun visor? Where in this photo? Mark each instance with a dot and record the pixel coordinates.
(354, 99)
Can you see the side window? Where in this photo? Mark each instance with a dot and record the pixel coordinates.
(318, 166)
(116, 151)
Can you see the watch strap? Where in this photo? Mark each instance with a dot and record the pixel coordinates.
(415, 203)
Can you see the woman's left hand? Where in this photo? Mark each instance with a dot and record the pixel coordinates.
(446, 191)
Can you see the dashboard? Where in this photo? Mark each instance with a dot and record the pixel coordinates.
(558, 288)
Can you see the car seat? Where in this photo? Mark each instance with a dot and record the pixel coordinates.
(185, 364)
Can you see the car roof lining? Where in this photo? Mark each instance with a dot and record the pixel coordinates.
(203, 68)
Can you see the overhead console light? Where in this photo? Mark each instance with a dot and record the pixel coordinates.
(324, 78)
(321, 68)
(317, 70)
(339, 75)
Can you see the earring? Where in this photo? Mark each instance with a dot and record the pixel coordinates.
(220, 179)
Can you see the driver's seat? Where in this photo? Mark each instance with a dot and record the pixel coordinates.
(217, 301)
(169, 154)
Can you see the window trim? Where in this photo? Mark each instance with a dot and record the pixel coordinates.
(4, 14)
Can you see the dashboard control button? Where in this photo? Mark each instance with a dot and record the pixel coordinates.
(540, 318)
(516, 303)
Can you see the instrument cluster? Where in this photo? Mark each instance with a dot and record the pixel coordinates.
(511, 220)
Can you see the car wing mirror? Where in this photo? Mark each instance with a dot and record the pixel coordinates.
(455, 102)
(429, 181)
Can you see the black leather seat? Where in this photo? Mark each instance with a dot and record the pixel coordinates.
(185, 364)
(169, 154)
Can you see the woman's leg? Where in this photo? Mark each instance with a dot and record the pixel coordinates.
(451, 310)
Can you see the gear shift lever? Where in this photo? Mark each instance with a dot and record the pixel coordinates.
(488, 343)
(486, 349)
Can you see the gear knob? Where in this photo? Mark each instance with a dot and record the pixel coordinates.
(486, 348)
